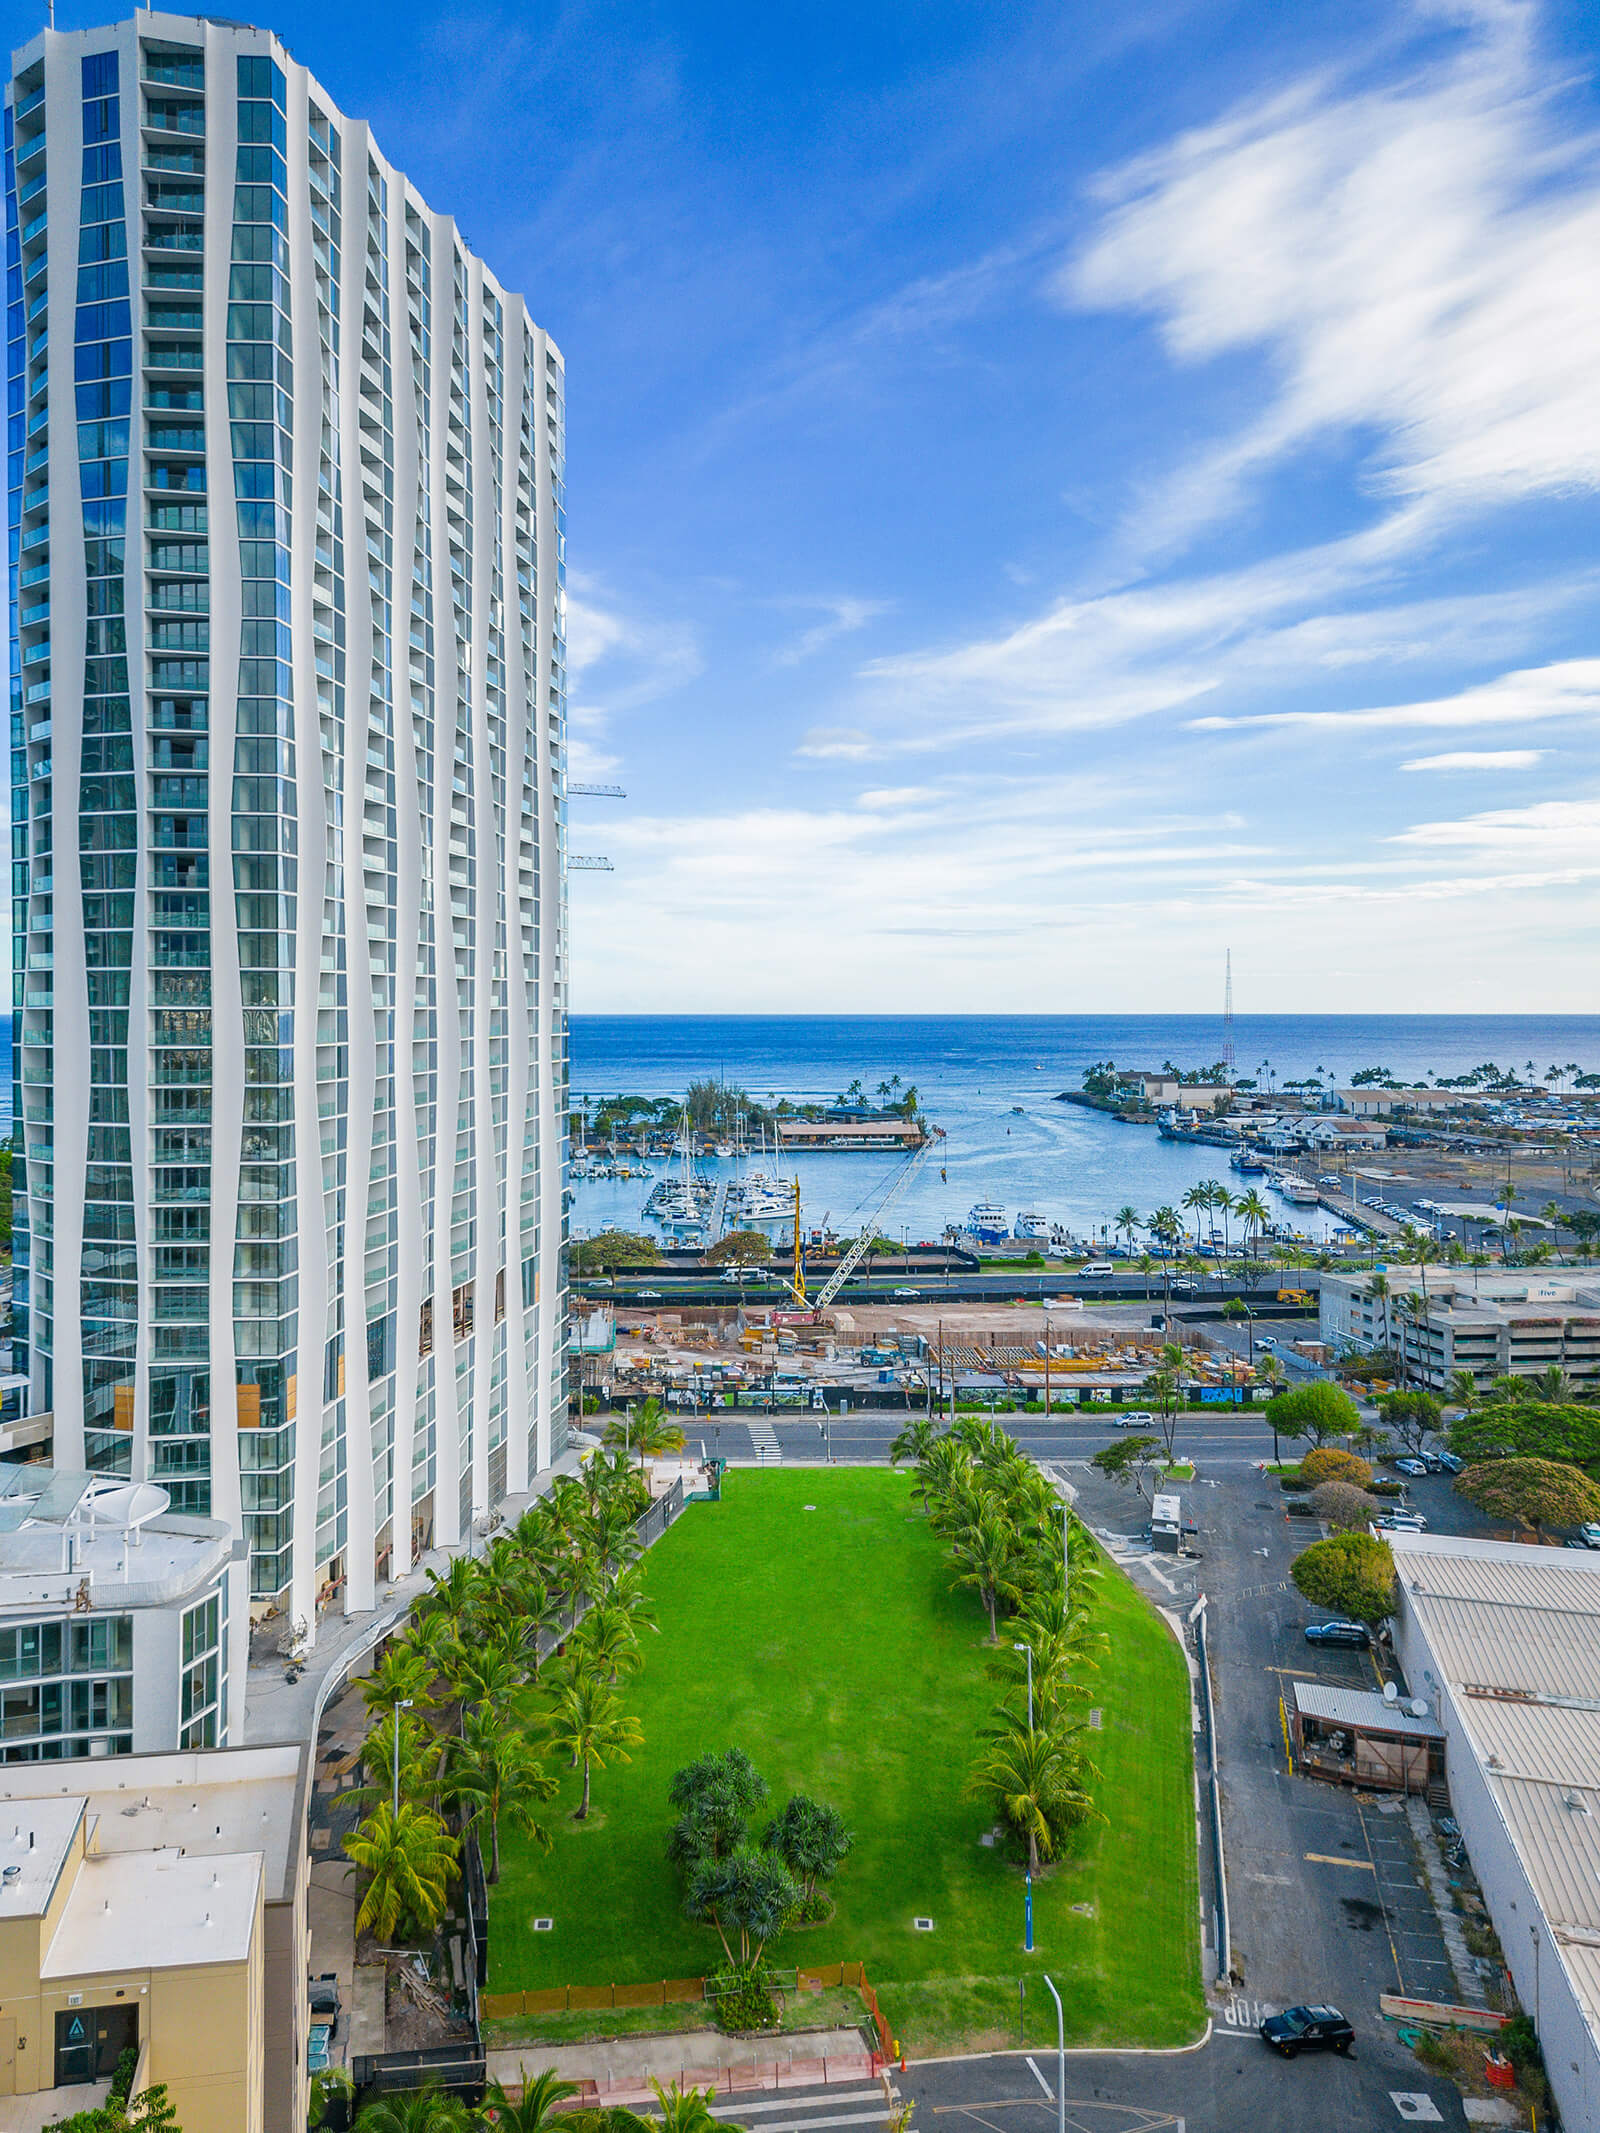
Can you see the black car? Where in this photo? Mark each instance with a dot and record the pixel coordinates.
(1308, 2029)
(1352, 1634)
(323, 1993)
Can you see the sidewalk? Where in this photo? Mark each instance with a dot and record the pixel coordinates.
(620, 2069)
(277, 1709)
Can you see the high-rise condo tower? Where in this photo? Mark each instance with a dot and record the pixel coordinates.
(287, 529)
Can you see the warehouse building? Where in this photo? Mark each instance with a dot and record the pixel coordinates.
(1502, 1642)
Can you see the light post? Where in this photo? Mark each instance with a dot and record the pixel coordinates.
(404, 1704)
(1061, 2061)
(1027, 1650)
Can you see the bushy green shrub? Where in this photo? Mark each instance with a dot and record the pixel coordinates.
(745, 1999)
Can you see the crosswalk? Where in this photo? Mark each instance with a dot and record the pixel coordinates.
(764, 1439)
(807, 2111)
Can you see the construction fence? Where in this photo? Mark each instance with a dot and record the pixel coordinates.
(670, 1992)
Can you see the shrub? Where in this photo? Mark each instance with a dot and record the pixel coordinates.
(1329, 1464)
(745, 1999)
(1346, 1509)
(1349, 1574)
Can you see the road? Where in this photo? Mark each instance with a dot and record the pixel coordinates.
(1001, 1286)
(1231, 2084)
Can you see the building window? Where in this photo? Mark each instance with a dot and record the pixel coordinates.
(201, 1693)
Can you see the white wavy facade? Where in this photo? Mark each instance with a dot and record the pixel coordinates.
(287, 527)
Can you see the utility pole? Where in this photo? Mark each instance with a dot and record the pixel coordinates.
(1047, 1368)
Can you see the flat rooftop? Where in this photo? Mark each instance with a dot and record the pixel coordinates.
(35, 1839)
(60, 1528)
(156, 1910)
(220, 1801)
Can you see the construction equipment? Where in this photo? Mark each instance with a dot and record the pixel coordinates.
(869, 1229)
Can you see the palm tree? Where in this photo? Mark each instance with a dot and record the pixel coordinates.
(1036, 1776)
(455, 1594)
(1222, 1201)
(420, 1749)
(402, 1676)
(1552, 1213)
(913, 1441)
(647, 1429)
(589, 1724)
(988, 1552)
(1463, 1388)
(537, 2110)
(1126, 1221)
(409, 1858)
(1197, 1199)
(487, 1676)
(493, 1771)
(606, 1639)
(1378, 1290)
(1254, 1212)
(685, 2110)
(424, 2110)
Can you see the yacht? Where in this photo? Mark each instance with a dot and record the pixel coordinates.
(1033, 1226)
(986, 1220)
(1298, 1190)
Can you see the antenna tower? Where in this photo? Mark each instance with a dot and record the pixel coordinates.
(1227, 1017)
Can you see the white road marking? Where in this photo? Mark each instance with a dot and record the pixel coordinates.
(1049, 2092)
(800, 2103)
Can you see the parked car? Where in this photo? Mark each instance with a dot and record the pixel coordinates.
(1411, 1466)
(1354, 1636)
(1136, 1418)
(1097, 1266)
(647, 1296)
(1589, 1536)
(1183, 1287)
(1308, 2029)
(1403, 1522)
(1265, 1340)
(1448, 1463)
(909, 1295)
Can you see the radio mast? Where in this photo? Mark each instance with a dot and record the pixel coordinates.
(1227, 1017)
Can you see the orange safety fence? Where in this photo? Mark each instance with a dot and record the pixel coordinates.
(671, 1992)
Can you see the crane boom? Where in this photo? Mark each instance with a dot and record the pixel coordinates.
(857, 1252)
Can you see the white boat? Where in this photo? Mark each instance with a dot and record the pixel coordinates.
(1035, 1226)
(987, 1220)
(1298, 1190)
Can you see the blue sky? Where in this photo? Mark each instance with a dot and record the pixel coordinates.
(1054, 491)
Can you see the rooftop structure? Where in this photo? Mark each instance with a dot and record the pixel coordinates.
(123, 1626)
(1500, 1322)
(1503, 1641)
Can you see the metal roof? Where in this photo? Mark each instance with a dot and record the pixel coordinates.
(1362, 1709)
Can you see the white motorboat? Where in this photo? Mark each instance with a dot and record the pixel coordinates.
(1033, 1226)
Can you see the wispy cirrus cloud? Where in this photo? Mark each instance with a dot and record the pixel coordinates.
(1569, 689)
(1412, 262)
(841, 617)
(1479, 759)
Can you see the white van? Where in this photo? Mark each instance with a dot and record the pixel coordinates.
(1098, 1266)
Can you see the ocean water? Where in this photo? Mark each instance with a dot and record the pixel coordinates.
(971, 1071)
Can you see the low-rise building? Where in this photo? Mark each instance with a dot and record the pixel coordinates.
(1505, 1322)
(1502, 1643)
(159, 1902)
(123, 1626)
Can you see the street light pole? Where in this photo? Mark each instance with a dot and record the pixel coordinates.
(1061, 2061)
(1027, 1649)
(404, 1704)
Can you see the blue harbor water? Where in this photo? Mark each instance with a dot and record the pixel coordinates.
(1074, 1166)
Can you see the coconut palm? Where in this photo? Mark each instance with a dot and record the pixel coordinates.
(484, 1676)
(1126, 1221)
(537, 2111)
(424, 2110)
(987, 1551)
(914, 1441)
(420, 1750)
(1463, 1388)
(402, 1676)
(589, 1724)
(647, 1430)
(494, 1774)
(606, 1639)
(1197, 1199)
(409, 1858)
(1038, 1778)
(685, 2110)
(455, 1594)
(1255, 1214)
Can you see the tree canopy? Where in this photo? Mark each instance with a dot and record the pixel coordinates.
(1331, 1464)
(1529, 1430)
(1349, 1574)
(1411, 1415)
(1535, 1493)
(740, 1247)
(1343, 1506)
(1317, 1411)
(614, 1248)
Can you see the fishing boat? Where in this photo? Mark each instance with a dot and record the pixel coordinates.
(987, 1222)
(1248, 1163)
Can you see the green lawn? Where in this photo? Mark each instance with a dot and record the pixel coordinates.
(827, 1643)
